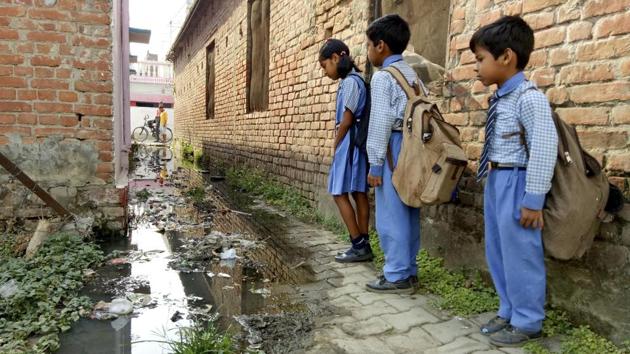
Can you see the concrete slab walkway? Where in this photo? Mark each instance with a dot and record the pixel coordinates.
(362, 322)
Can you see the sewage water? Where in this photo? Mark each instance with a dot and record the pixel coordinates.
(171, 267)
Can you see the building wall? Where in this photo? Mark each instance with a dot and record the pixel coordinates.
(580, 62)
(56, 63)
(295, 134)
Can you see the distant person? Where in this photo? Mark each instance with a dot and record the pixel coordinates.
(156, 124)
(163, 121)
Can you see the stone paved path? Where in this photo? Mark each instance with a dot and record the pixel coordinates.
(363, 322)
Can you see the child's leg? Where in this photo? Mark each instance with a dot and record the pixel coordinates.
(494, 256)
(363, 211)
(347, 214)
(523, 258)
(396, 224)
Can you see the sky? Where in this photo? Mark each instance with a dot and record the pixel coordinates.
(163, 17)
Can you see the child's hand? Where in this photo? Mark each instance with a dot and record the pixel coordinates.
(532, 218)
(375, 181)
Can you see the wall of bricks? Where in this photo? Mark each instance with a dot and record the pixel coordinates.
(56, 65)
(580, 62)
(294, 136)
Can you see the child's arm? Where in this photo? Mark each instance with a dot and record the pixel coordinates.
(350, 96)
(382, 117)
(344, 126)
(542, 140)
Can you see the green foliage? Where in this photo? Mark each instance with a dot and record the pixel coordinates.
(143, 195)
(583, 340)
(461, 293)
(288, 199)
(188, 152)
(379, 256)
(198, 157)
(536, 348)
(8, 244)
(556, 323)
(197, 194)
(196, 340)
(46, 301)
(580, 340)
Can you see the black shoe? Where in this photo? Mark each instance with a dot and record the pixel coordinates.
(513, 337)
(355, 255)
(494, 325)
(382, 285)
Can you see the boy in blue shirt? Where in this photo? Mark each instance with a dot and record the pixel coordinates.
(518, 160)
(397, 224)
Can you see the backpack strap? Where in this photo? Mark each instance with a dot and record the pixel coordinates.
(521, 126)
(410, 91)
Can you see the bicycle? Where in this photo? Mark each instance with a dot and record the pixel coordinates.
(140, 134)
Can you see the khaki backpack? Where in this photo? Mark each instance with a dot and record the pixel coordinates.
(575, 204)
(431, 160)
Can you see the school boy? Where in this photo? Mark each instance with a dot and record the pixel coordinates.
(398, 225)
(518, 159)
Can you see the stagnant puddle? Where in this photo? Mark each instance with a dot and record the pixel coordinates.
(192, 254)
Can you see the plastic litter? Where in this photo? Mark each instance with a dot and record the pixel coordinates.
(8, 289)
(120, 307)
(262, 291)
(119, 323)
(228, 254)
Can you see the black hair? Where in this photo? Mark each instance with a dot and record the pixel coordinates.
(335, 46)
(392, 30)
(507, 32)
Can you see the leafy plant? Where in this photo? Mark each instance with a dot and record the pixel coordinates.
(286, 198)
(143, 195)
(197, 194)
(583, 340)
(44, 301)
(188, 152)
(208, 339)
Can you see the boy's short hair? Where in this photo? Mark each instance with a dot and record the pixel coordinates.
(507, 32)
(391, 29)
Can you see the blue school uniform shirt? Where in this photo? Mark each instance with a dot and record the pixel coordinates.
(349, 96)
(520, 103)
(387, 110)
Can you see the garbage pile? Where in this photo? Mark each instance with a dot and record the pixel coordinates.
(196, 254)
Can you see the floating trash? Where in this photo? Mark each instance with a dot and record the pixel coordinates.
(228, 254)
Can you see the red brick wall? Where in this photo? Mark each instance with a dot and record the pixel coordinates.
(55, 63)
(293, 137)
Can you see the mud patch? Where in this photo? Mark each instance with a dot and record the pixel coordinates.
(281, 333)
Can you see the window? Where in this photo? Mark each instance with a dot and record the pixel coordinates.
(258, 55)
(210, 81)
